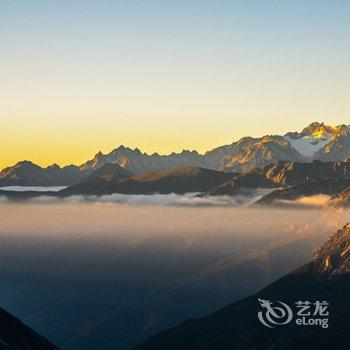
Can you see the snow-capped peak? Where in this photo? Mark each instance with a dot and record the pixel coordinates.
(313, 138)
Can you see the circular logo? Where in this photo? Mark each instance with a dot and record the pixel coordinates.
(275, 313)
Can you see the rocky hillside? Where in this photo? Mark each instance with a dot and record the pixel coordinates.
(250, 153)
(333, 258)
(283, 174)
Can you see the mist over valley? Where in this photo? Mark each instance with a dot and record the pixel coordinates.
(87, 274)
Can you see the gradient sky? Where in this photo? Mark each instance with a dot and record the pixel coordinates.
(81, 76)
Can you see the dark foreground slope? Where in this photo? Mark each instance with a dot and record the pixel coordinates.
(325, 278)
(14, 335)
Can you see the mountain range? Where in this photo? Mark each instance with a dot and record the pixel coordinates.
(316, 141)
(291, 180)
(26, 173)
(324, 279)
(284, 181)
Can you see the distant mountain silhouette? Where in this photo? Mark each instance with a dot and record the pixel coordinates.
(26, 173)
(316, 141)
(325, 278)
(14, 335)
(137, 162)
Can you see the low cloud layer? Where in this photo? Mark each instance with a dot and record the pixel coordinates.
(317, 201)
(186, 200)
(33, 188)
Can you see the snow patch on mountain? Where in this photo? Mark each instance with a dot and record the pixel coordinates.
(309, 145)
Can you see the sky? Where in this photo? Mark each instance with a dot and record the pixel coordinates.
(81, 76)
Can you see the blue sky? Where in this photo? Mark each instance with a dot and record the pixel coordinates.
(166, 75)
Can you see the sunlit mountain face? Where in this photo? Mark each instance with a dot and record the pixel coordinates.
(107, 276)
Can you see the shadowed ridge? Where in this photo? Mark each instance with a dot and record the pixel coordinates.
(284, 173)
(107, 174)
(174, 180)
